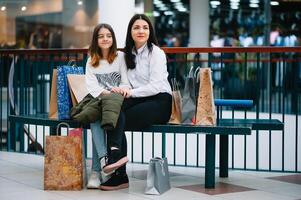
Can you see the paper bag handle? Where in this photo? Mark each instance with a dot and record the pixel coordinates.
(161, 162)
(61, 125)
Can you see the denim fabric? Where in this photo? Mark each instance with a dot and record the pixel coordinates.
(99, 146)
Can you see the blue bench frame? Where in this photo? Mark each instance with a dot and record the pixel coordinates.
(224, 128)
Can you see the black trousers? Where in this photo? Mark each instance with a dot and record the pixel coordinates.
(139, 113)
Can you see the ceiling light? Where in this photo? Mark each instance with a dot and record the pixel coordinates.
(156, 14)
(168, 13)
(216, 3)
(274, 3)
(253, 5)
(182, 9)
(24, 8)
(156, 2)
(3, 8)
(161, 5)
(163, 8)
(236, 1)
(178, 4)
(175, 1)
(80, 3)
(254, 1)
(235, 4)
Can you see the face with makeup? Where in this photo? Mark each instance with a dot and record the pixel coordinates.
(140, 32)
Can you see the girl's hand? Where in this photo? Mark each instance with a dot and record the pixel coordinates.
(116, 90)
(105, 92)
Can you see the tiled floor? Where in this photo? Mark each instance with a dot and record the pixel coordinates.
(21, 177)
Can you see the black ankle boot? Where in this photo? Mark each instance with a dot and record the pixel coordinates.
(116, 182)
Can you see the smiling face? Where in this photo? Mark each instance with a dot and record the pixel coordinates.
(140, 32)
(105, 39)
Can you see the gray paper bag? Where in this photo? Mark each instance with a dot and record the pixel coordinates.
(157, 176)
(189, 99)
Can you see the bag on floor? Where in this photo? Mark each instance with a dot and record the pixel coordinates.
(63, 162)
(205, 107)
(63, 94)
(78, 132)
(157, 176)
(176, 106)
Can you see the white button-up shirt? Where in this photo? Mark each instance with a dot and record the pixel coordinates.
(150, 75)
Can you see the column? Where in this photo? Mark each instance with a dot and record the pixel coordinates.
(117, 13)
(78, 23)
(199, 23)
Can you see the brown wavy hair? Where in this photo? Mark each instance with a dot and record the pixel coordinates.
(94, 50)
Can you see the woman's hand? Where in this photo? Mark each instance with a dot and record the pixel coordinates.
(127, 93)
(123, 91)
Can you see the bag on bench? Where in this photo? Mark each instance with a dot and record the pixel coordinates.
(189, 97)
(64, 103)
(205, 106)
(77, 86)
(53, 97)
(176, 106)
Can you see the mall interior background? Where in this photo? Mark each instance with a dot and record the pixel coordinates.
(34, 24)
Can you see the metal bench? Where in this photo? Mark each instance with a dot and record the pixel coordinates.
(224, 128)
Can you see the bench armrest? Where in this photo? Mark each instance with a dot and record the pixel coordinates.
(241, 103)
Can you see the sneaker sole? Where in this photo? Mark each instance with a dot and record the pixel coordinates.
(93, 187)
(112, 167)
(110, 188)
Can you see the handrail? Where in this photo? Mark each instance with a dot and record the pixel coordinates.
(168, 50)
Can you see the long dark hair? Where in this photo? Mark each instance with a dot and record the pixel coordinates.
(94, 50)
(130, 44)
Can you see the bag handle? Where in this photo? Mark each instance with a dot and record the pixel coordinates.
(174, 84)
(61, 125)
(161, 162)
(72, 61)
(196, 74)
(191, 73)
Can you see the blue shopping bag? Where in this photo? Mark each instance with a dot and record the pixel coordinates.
(64, 103)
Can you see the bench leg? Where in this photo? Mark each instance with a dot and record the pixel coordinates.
(163, 145)
(223, 153)
(210, 161)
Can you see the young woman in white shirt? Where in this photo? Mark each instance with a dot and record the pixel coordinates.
(105, 71)
(149, 100)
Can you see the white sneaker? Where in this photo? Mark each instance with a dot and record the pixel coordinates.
(93, 182)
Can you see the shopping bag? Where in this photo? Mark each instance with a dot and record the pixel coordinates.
(205, 106)
(78, 132)
(176, 106)
(63, 94)
(63, 163)
(189, 98)
(53, 97)
(77, 86)
(157, 176)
